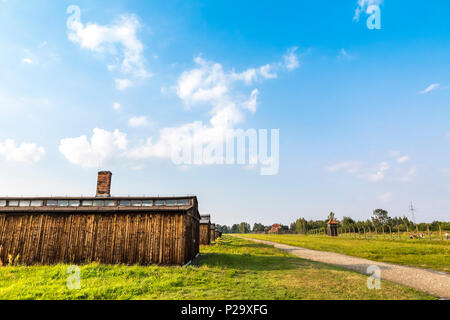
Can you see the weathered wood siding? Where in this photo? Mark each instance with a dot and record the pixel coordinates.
(205, 234)
(108, 238)
(212, 235)
(191, 236)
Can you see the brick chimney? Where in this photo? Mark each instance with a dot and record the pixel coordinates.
(104, 184)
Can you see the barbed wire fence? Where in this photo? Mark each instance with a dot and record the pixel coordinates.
(387, 233)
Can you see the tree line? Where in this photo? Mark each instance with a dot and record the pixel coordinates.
(380, 219)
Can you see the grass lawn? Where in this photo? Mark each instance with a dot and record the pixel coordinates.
(419, 253)
(230, 269)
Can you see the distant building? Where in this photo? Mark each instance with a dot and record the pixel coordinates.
(332, 226)
(213, 232)
(276, 228)
(217, 234)
(205, 227)
(104, 229)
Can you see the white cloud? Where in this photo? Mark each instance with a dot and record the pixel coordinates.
(27, 61)
(116, 106)
(372, 174)
(122, 84)
(25, 152)
(344, 55)
(363, 5)
(102, 149)
(136, 122)
(210, 84)
(227, 94)
(403, 159)
(409, 176)
(118, 39)
(252, 103)
(430, 88)
(291, 59)
(379, 173)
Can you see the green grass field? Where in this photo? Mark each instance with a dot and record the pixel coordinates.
(230, 269)
(419, 253)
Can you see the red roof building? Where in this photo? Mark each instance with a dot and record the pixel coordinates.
(276, 228)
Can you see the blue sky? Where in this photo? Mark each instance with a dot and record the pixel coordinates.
(363, 114)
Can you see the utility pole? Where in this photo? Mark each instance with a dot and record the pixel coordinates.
(412, 210)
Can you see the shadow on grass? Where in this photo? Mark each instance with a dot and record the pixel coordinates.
(254, 262)
(246, 245)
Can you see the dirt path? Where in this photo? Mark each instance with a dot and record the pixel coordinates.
(433, 282)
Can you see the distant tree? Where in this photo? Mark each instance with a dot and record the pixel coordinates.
(380, 218)
(292, 228)
(235, 228)
(348, 223)
(244, 227)
(258, 227)
(301, 226)
(223, 229)
(407, 223)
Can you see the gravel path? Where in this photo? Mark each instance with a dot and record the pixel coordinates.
(434, 282)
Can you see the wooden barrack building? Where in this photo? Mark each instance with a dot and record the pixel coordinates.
(205, 227)
(104, 229)
(213, 232)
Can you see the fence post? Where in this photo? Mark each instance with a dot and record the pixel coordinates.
(384, 235)
(365, 235)
(417, 232)
(428, 230)
(390, 231)
(440, 233)
(398, 230)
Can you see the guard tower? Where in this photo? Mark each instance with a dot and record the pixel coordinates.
(332, 228)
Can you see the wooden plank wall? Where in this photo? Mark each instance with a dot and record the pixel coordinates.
(125, 238)
(205, 234)
(191, 236)
(212, 235)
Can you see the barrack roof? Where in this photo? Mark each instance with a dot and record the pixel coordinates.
(97, 204)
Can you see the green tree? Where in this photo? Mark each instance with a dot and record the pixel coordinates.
(235, 228)
(223, 229)
(380, 218)
(258, 227)
(301, 226)
(244, 227)
(292, 227)
(348, 223)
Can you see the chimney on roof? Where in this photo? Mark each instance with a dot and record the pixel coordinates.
(104, 184)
